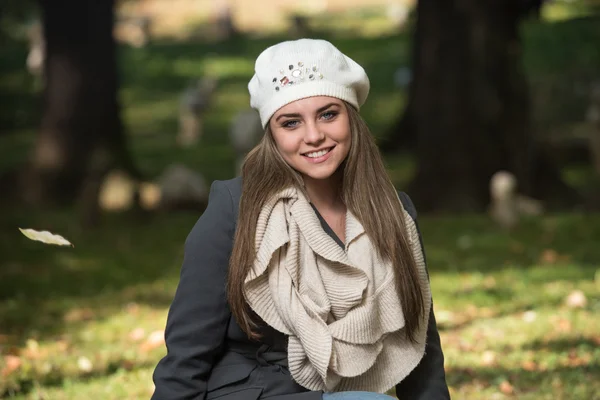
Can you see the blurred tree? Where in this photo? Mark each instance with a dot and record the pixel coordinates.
(81, 135)
(468, 114)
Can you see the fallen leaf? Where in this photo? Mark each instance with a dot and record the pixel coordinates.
(488, 358)
(137, 334)
(529, 365)
(32, 349)
(134, 308)
(12, 363)
(507, 388)
(45, 237)
(564, 325)
(529, 316)
(549, 256)
(576, 299)
(62, 345)
(154, 340)
(79, 314)
(489, 282)
(127, 365)
(84, 364)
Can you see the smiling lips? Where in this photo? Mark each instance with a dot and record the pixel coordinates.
(319, 155)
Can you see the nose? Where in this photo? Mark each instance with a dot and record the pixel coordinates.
(313, 134)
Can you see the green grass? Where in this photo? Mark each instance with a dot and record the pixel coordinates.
(79, 320)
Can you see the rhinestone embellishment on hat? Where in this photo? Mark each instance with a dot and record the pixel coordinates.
(296, 75)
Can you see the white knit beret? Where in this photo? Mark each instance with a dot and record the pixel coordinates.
(293, 70)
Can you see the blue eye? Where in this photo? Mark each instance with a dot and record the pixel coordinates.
(290, 124)
(329, 115)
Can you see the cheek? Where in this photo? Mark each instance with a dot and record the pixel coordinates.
(286, 145)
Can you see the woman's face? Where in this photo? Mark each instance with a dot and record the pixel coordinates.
(313, 135)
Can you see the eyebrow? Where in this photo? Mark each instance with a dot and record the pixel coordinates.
(295, 115)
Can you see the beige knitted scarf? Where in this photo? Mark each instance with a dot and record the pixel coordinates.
(340, 308)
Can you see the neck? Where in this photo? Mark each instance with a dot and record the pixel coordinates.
(325, 193)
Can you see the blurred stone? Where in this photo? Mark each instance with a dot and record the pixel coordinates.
(150, 195)
(180, 187)
(117, 192)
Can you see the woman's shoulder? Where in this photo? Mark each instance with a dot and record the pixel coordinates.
(234, 186)
(407, 204)
(231, 188)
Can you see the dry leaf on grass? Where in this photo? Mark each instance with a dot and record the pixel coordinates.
(45, 237)
(529, 316)
(488, 358)
(529, 365)
(84, 364)
(79, 314)
(12, 363)
(549, 256)
(507, 388)
(137, 334)
(154, 340)
(576, 299)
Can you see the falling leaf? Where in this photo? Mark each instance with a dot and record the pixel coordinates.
(506, 388)
(576, 299)
(45, 237)
(12, 363)
(84, 364)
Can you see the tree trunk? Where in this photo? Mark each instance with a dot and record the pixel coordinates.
(469, 106)
(81, 134)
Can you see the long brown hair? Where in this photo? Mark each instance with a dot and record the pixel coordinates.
(367, 192)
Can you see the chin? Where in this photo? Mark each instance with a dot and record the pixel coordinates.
(324, 174)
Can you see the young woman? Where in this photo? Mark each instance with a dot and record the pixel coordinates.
(304, 279)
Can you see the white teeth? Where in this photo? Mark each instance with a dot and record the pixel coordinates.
(316, 154)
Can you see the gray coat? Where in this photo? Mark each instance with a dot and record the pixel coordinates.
(210, 357)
